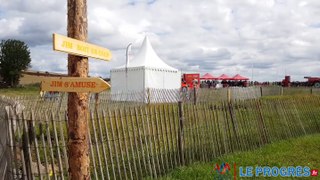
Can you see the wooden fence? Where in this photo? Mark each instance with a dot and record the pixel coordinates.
(3, 150)
(149, 140)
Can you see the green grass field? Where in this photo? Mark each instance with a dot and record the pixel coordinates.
(32, 89)
(303, 151)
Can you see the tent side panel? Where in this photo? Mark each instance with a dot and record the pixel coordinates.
(154, 79)
(173, 80)
(124, 87)
(162, 79)
(159, 81)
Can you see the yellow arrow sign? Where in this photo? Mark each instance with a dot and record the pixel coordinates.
(80, 48)
(74, 84)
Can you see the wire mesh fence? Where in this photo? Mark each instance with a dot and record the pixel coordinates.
(58, 101)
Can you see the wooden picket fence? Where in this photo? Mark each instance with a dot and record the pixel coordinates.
(150, 140)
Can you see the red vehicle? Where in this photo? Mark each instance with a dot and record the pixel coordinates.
(286, 81)
(313, 81)
(191, 80)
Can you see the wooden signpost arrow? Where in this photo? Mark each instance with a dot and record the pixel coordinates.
(74, 84)
(80, 48)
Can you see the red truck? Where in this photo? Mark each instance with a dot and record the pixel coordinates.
(191, 79)
(286, 81)
(313, 81)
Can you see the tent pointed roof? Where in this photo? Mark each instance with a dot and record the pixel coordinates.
(239, 77)
(147, 57)
(208, 76)
(224, 77)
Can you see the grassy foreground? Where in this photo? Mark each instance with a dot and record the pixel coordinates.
(33, 89)
(303, 151)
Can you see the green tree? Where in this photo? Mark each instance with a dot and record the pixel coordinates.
(14, 57)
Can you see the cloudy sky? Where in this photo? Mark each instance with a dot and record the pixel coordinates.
(263, 39)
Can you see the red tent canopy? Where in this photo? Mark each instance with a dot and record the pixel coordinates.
(239, 77)
(208, 76)
(224, 77)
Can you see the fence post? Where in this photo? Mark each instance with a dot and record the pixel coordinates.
(26, 146)
(96, 102)
(229, 94)
(311, 91)
(261, 123)
(7, 157)
(194, 95)
(261, 91)
(148, 96)
(60, 103)
(180, 133)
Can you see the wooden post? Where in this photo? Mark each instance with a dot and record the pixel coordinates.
(261, 91)
(96, 102)
(148, 96)
(78, 142)
(229, 94)
(194, 95)
(180, 134)
(60, 103)
(311, 91)
(281, 91)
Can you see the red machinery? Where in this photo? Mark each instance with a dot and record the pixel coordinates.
(313, 81)
(286, 81)
(191, 79)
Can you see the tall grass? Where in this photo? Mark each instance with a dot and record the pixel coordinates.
(302, 151)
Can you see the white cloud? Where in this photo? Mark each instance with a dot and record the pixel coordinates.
(10, 27)
(216, 36)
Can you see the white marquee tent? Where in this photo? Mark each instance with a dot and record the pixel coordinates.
(145, 72)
